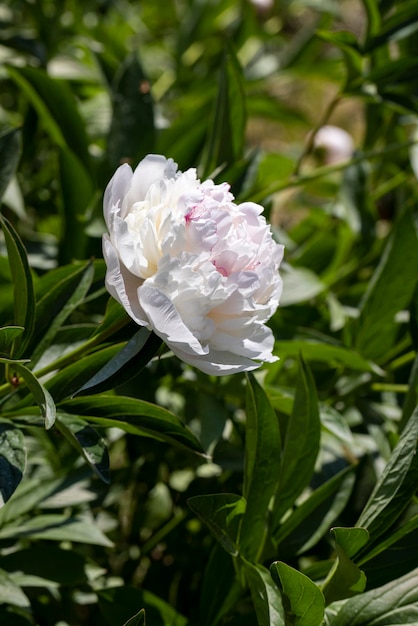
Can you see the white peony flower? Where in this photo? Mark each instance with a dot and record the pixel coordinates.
(188, 263)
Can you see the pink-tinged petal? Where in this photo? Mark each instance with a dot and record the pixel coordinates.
(152, 169)
(116, 191)
(121, 284)
(167, 323)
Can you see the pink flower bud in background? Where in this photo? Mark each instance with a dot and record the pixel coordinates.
(333, 144)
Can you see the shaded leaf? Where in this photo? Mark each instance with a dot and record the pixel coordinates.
(300, 444)
(137, 620)
(225, 142)
(8, 334)
(222, 513)
(117, 605)
(132, 131)
(9, 157)
(12, 459)
(11, 593)
(262, 466)
(65, 567)
(126, 364)
(345, 578)
(75, 201)
(55, 104)
(314, 517)
(88, 442)
(386, 294)
(56, 527)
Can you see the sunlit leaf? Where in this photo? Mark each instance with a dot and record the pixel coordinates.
(303, 601)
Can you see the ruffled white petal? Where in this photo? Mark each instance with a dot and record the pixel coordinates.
(189, 263)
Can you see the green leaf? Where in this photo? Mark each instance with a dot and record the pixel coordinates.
(393, 557)
(386, 294)
(66, 382)
(9, 157)
(8, 334)
(41, 395)
(12, 459)
(11, 593)
(136, 620)
(54, 102)
(266, 599)
(24, 299)
(126, 364)
(225, 142)
(222, 513)
(300, 445)
(114, 319)
(394, 603)
(345, 578)
(331, 354)
(303, 602)
(134, 416)
(401, 24)
(57, 527)
(87, 441)
(75, 200)
(132, 132)
(117, 605)
(313, 518)
(58, 304)
(299, 285)
(220, 588)
(261, 470)
(396, 485)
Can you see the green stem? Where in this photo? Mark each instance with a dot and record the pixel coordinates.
(320, 172)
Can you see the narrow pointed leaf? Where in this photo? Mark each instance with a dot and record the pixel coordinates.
(136, 620)
(24, 299)
(133, 357)
(134, 416)
(226, 136)
(261, 471)
(300, 446)
(397, 484)
(345, 578)
(387, 294)
(8, 334)
(132, 131)
(9, 157)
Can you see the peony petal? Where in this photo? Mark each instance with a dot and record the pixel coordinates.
(167, 323)
(116, 191)
(149, 171)
(122, 285)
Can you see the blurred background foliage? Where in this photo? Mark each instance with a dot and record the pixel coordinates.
(239, 90)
